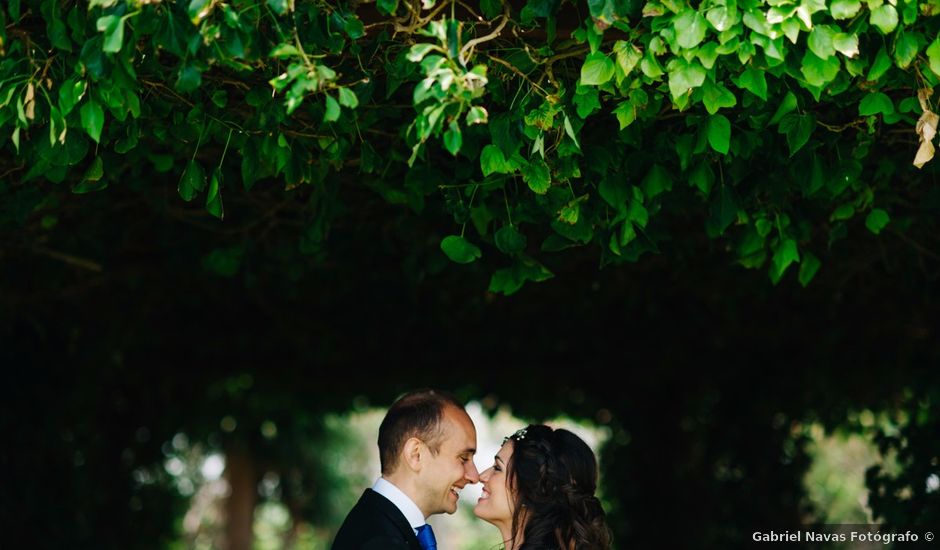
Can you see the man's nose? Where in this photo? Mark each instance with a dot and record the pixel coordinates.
(472, 474)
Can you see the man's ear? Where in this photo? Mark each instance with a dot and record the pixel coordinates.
(413, 453)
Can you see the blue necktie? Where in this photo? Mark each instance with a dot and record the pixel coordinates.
(426, 537)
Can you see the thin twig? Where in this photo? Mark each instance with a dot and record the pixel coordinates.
(83, 263)
(516, 70)
(920, 248)
(467, 49)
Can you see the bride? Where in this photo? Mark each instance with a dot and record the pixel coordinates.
(539, 492)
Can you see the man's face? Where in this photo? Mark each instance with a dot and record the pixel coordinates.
(452, 467)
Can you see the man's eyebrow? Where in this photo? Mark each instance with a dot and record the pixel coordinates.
(470, 450)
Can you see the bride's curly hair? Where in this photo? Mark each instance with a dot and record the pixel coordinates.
(552, 474)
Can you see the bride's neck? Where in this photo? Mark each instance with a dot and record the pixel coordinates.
(508, 542)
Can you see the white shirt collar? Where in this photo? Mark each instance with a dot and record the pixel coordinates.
(401, 501)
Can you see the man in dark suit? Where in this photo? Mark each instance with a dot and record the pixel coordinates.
(426, 447)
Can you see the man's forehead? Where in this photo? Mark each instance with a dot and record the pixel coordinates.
(459, 430)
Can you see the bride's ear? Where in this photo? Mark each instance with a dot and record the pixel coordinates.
(413, 452)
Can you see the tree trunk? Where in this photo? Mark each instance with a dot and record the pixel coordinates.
(240, 504)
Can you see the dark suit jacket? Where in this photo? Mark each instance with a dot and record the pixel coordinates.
(375, 523)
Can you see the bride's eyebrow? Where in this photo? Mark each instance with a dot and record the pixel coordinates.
(498, 458)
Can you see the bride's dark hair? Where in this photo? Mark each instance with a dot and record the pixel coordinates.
(553, 476)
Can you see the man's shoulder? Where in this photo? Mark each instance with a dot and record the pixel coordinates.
(373, 523)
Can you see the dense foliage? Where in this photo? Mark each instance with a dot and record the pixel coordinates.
(777, 127)
(199, 193)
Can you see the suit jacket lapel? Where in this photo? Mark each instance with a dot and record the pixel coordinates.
(385, 506)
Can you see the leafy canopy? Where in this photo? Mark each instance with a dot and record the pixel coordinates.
(774, 126)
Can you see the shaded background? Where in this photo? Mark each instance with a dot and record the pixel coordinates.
(128, 319)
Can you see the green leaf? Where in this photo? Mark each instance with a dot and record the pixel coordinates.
(722, 18)
(491, 8)
(785, 254)
(214, 197)
(492, 161)
(690, 28)
(880, 65)
(787, 105)
(537, 175)
(220, 98)
(509, 280)
(460, 250)
(906, 47)
(96, 171)
(707, 53)
(844, 212)
(92, 181)
(885, 17)
(569, 131)
(791, 29)
(387, 7)
(820, 41)
(933, 56)
(347, 98)
(417, 52)
(70, 92)
(722, 210)
(477, 115)
(685, 75)
(509, 240)
(278, 6)
(655, 182)
(453, 138)
(877, 220)
(93, 119)
(190, 78)
(846, 44)
(625, 113)
(753, 80)
(798, 129)
(570, 212)
(284, 50)
(354, 27)
(808, 268)
(715, 96)
(701, 177)
(875, 103)
(818, 71)
(844, 9)
(597, 69)
(719, 133)
(113, 28)
(331, 114)
(192, 182)
(614, 191)
(627, 56)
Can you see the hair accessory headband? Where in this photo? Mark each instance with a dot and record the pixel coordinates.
(518, 436)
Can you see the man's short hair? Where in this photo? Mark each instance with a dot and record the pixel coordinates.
(415, 414)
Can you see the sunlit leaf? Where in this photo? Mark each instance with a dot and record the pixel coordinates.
(597, 69)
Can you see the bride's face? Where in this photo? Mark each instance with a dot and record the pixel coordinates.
(495, 506)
